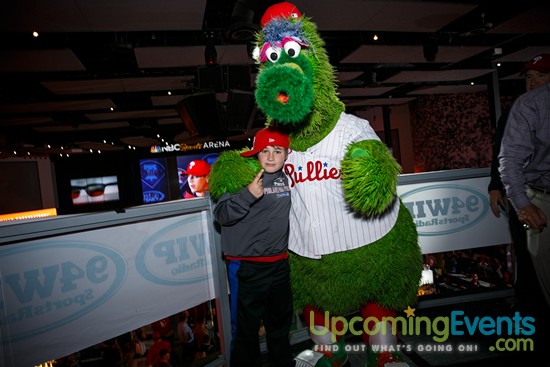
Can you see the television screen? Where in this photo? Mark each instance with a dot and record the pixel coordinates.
(154, 180)
(94, 190)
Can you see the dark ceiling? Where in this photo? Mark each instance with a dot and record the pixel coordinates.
(58, 89)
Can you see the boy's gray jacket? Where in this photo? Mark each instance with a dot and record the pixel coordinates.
(253, 227)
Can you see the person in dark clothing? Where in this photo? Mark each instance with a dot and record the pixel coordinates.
(524, 166)
(254, 235)
(526, 288)
(111, 354)
(164, 359)
(186, 337)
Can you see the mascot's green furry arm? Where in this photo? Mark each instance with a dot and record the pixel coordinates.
(231, 172)
(369, 176)
(365, 259)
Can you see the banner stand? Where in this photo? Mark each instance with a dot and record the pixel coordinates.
(71, 282)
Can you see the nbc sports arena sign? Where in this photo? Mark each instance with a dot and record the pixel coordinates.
(451, 210)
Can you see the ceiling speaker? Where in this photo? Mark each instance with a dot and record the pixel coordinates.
(241, 108)
(200, 114)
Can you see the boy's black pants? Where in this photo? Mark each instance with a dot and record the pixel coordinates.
(260, 291)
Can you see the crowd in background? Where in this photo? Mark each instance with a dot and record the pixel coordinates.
(182, 340)
(490, 265)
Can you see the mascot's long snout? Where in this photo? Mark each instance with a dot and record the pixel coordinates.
(284, 92)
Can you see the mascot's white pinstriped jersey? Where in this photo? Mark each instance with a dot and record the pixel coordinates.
(326, 223)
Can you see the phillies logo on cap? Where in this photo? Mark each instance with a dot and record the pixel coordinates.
(268, 136)
(539, 63)
(281, 10)
(197, 167)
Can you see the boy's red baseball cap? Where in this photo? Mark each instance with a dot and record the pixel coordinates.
(265, 137)
(540, 63)
(198, 168)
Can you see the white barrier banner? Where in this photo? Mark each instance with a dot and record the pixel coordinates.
(89, 286)
(454, 215)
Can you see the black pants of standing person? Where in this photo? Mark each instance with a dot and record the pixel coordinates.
(263, 294)
(527, 288)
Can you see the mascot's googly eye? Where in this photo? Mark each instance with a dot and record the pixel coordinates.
(292, 48)
(273, 53)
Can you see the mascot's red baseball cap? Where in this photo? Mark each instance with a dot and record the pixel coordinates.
(198, 167)
(540, 63)
(280, 10)
(268, 136)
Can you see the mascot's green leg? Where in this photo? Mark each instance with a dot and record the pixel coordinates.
(328, 355)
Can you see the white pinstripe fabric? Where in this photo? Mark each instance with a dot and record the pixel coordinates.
(320, 221)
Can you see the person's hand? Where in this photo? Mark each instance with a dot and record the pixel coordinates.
(497, 200)
(256, 187)
(532, 217)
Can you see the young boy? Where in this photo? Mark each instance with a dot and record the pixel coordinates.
(254, 236)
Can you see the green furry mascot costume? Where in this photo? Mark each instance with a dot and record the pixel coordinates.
(354, 246)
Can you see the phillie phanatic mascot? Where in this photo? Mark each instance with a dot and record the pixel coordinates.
(353, 244)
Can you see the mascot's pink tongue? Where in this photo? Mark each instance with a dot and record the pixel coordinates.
(282, 97)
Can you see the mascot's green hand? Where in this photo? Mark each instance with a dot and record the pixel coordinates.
(369, 177)
(231, 172)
